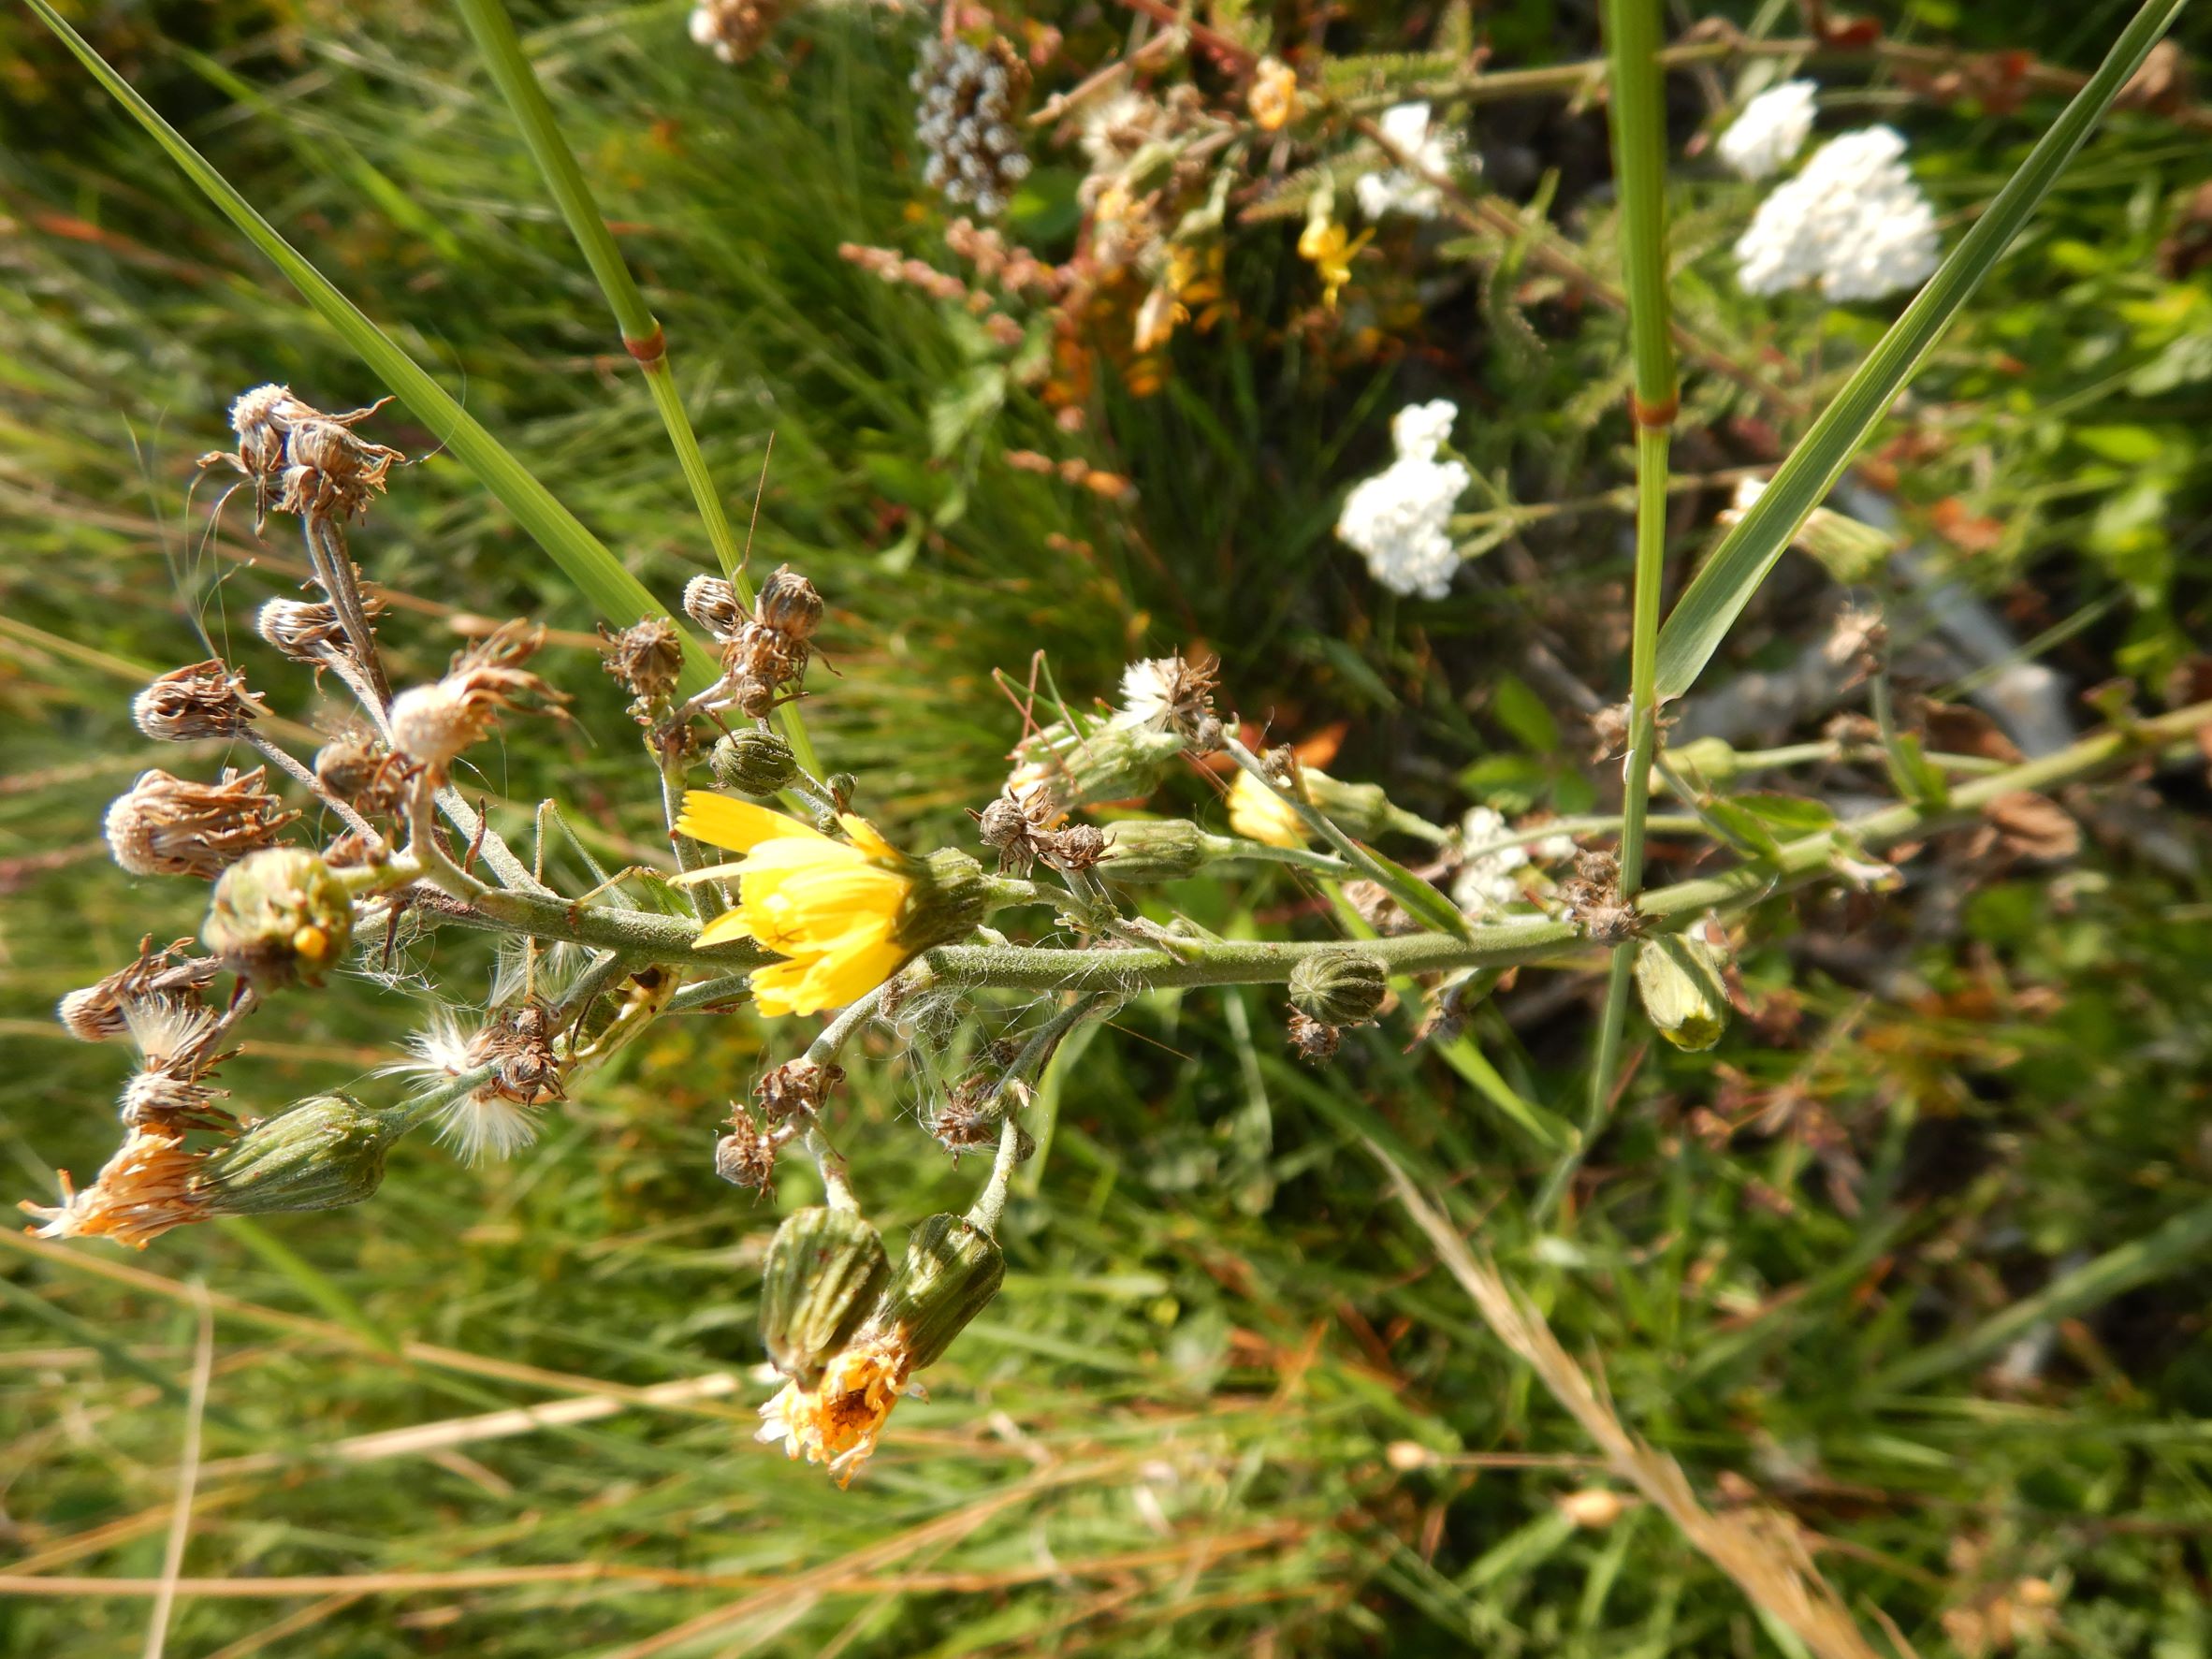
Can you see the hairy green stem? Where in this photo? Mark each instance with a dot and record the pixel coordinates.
(640, 937)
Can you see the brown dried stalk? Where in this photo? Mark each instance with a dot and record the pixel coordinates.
(1762, 1552)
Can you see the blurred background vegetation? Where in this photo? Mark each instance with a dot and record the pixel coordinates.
(1228, 1402)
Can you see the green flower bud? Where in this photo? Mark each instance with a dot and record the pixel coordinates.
(947, 900)
(1707, 760)
(1678, 976)
(1152, 850)
(753, 763)
(280, 914)
(322, 1152)
(1111, 763)
(951, 1270)
(1339, 987)
(825, 1271)
(1362, 810)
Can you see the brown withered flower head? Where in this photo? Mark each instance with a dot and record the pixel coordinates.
(205, 700)
(309, 631)
(331, 470)
(98, 1013)
(176, 1036)
(358, 769)
(1311, 1040)
(149, 1186)
(265, 419)
(969, 1119)
(518, 1043)
(770, 649)
(795, 1088)
(712, 603)
(170, 826)
(746, 1157)
(645, 661)
(431, 725)
(1592, 897)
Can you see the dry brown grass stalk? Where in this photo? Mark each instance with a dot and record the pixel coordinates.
(1761, 1550)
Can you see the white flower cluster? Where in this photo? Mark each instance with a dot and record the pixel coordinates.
(1853, 221)
(1773, 128)
(1400, 519)
(968, 122)
(1487, 881)
(1398, 190)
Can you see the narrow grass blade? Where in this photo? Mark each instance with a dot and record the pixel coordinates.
(618, 597)
(1709, 607)
(2182, 1240)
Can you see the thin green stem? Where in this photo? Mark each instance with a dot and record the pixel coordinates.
(642, 937)
(1639, 170)
(643, 337)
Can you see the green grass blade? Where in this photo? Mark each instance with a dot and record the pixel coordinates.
(501, 48)
(618, 597)
(1709, 607)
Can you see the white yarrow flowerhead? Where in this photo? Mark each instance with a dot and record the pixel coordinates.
(1397, 190)
(1773, 128)
(1400, 519)
(1486, 882)
(1853, 221)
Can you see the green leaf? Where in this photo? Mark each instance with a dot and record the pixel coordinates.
(618, 597)
(1720, 591)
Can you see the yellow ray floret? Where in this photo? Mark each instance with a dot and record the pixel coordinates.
(1257, 813)
(832, 908)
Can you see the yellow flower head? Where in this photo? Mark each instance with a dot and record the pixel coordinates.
(1324, 244)
(1273, 97)
(846, 914)
(1258, 814)
(836, 1421)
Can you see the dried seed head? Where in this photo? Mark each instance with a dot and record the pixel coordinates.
(1077, 848)
(206, 699)
(1310, 1039)
(170, 826)
(101, 1013)
(733, 30)
(746, 1157)
(712, 603)
(969, 1116)
(331, 472)
(753, 762)
(431, 725)
(173, 1102)
(356, 767)
(1339, 987)
(307, 631)
(518, 1043)
(795, 1087)
(279, 915)
(1170, 693)
(789, 604)
(644, 660)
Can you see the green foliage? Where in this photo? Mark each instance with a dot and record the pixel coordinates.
(1226, 1403)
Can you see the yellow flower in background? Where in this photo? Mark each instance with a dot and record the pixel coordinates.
(1257, 813)
(1273, 97)
(847, 914)
(1325, 244)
